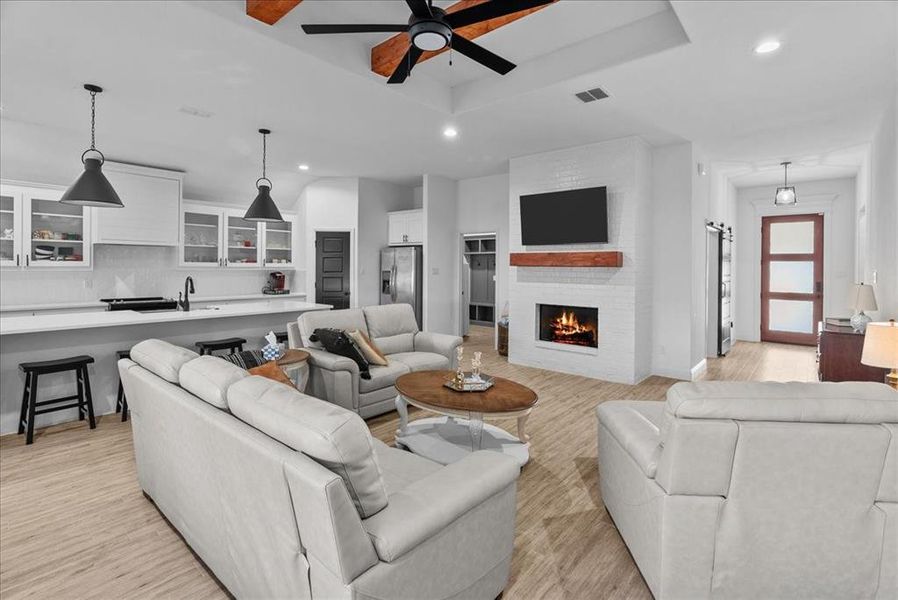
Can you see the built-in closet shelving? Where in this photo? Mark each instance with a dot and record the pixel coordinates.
(480, 252)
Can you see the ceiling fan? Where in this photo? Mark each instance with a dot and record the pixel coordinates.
(430, 28)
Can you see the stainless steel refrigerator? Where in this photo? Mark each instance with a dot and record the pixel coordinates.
(401, 280)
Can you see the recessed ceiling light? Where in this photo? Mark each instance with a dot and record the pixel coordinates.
(303, 167)
(767, 47)
(450, 132)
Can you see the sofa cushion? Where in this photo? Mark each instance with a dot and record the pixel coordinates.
(392, 327)
(209, 377)
(336, 438)
(162, 358)
(421, 361)
(347, 320)
(635, 424)
(382, 377)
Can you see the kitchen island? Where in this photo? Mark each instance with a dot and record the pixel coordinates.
(101, 333)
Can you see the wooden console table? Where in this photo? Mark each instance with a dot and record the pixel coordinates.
(839, 355)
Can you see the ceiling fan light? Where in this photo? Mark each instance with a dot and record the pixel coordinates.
(785, 196)
(263, 208)
(430, 41)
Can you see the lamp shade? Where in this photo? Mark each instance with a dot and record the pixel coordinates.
(881, 345)
(92, 188)
(785, 196)
(263, 207)
(861, 297)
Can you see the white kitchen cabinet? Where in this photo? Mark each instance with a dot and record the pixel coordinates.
(405, 227)
(201, 236)
(37, 232)
(242, 240)
(152, 207)
(278, 246)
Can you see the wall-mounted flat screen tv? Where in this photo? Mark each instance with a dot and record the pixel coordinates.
(568, 217)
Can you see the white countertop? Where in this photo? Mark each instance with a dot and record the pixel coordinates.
(92, 320)
(102, 305)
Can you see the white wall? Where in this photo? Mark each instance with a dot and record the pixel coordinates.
(331, 204)
(483, 208)
(441, 252)
(882, 216)
(376, 199)
(835, 199)
(672, 260)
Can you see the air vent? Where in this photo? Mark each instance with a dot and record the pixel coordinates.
(592, 95)
(195, 112)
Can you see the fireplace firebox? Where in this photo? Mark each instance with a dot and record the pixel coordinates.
(574, 325)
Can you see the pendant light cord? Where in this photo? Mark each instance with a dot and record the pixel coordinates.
(93, 120)
(264, 153)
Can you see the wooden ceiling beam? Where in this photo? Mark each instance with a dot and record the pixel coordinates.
(270, 11)
(386, 55)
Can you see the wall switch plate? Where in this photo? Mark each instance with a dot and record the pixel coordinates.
(435, 271)
(875, 276)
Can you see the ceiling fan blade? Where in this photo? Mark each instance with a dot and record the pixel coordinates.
(405, 65)
(420, 8)
(353, 28)
(480, 54)
(491, 10)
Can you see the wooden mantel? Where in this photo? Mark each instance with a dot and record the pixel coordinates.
(567, 259)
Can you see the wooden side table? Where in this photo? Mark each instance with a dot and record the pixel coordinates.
(839, 355)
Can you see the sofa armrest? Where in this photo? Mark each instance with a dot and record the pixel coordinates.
(332, 362)
(432, 504)
(439, 343)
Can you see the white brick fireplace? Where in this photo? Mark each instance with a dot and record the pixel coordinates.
(623, 295)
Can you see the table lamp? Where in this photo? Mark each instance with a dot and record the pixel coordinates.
(881, 349)
(861, 298)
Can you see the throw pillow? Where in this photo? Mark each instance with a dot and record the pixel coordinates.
(272, 371)
(337, 341)
(372, 353)
(246, 359)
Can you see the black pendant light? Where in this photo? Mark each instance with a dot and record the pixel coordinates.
(263, 207)
(785, 195)
(92, 188)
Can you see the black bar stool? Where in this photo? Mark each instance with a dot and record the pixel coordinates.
(230, 344)
(84, 403)
(281, 337)
(121, 403)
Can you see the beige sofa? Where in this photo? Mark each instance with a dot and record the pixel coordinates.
(395, 331)
(757, 490)
(285, 496)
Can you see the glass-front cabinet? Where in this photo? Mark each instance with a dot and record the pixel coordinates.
(242, 239)
(37, 231)
(277, 243)
(201, 237)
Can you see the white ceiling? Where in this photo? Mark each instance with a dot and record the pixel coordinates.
(825, 89)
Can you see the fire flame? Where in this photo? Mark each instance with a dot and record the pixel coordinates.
(568, 325)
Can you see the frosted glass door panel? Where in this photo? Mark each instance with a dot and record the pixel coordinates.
(792, 277)
(792, 237)
(7, 229)
(201, 238)
(796, 316)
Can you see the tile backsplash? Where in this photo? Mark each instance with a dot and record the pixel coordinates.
(121, 271)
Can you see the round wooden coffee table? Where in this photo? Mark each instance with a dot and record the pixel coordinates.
(462, 430)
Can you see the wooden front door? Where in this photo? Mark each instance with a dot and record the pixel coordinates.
(332, 268)
(791, 278)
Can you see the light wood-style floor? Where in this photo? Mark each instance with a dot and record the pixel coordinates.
(74, 523)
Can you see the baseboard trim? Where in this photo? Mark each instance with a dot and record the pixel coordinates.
(681, 374)
(700, 369)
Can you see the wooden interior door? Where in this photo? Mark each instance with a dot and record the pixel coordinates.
(791, 278)
(332, 268)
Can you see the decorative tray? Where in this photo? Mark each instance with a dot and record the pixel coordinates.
(470, 384)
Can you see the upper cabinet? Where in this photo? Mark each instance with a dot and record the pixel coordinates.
(36, 231)
(405, 227)
(150, 217)
(214, 236)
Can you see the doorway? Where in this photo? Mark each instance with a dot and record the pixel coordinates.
(478, 280)
(332, 268)
(791, 278)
